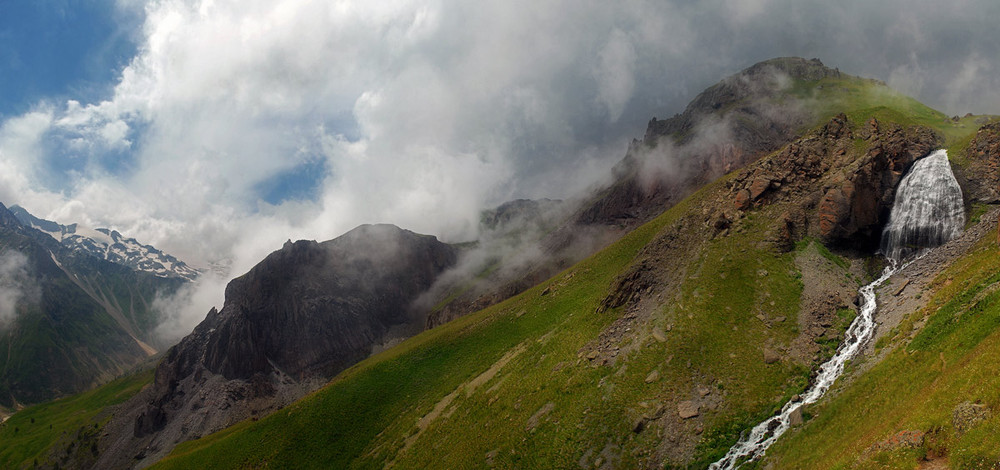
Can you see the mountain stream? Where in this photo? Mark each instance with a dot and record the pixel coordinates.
(928, 212)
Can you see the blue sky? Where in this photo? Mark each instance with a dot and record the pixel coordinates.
(53, 49)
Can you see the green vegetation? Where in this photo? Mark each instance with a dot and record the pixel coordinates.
(863, 99)
(977, 212)
(545, 404)
(29, 434)
(953, 358)
(523, 385)
(515, 385)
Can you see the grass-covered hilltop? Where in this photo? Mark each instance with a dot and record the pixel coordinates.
(661, 348)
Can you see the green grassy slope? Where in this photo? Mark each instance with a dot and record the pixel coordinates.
(953, 357)
(512, 386)
(863, 99)
(549, 406)
(27, 437)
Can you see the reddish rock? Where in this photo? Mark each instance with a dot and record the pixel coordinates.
(759, 186)
(742, 200)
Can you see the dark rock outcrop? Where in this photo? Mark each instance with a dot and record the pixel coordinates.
(981, 173)
(857, 190)
(303, 314)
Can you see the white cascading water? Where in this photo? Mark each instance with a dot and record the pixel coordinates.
(924, 215)
(929, 209)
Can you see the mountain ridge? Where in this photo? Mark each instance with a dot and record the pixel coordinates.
(72, 332)
(109, 245)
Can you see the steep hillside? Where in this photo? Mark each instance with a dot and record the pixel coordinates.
(657, 351)
(729, 125)
(927, 397)
(68, 322)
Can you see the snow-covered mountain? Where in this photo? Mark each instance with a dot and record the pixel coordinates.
(111, 246)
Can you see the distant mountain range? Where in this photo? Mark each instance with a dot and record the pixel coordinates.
(109, 245)
(78, 308)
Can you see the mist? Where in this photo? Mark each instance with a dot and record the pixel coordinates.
(15, 286)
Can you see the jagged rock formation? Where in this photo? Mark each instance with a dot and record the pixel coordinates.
(517, 214)
(111, 246)
(299, 317)
(75, 321)
(981, 176)
(852, 203)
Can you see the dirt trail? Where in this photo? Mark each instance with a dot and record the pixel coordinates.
(469, 388)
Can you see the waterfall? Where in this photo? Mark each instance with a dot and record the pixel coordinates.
(928, 210)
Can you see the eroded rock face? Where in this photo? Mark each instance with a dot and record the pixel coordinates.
(291, 323)
(981, 177)
(857, 190)
(854, 210)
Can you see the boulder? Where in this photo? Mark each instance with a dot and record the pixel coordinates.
(967, 415)
(770, 357)
(795, 417)
(687, 409)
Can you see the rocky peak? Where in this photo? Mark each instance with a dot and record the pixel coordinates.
(727, 126)
(108, 245)
(312, 308)
(7, 218)
(737, 92)
(296, 319)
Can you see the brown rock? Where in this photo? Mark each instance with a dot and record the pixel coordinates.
(687, 409)
(742, 200)
(653, 376)
(770, 357)
(759, 186)
(659, 336)
(795, 417)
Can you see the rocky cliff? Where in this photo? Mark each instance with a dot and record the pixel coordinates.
(727, 126)
(851, 204)
(291, 323)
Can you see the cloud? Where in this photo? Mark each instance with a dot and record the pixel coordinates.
(616, 73)
(421, 112)
(15, 285)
